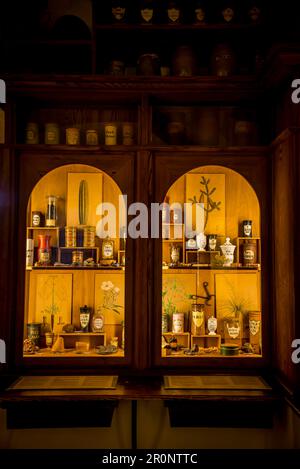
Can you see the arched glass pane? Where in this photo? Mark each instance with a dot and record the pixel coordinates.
(211, 292)
(75, 266)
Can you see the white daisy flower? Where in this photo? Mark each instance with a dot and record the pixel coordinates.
(106, 286)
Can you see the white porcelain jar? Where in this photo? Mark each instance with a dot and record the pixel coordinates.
(228, 251)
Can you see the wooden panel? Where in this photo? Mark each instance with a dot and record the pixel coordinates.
(57, 183)
(215, 221)
(215, 382)
(65, 382)
(241, 201)
(83, 292)
(109, 295)
(203, 277)
(237, 291)
(93, 197)
(285, 208)
(50, 294)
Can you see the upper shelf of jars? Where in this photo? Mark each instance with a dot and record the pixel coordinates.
(117, 39)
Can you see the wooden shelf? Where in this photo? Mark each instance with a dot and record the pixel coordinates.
(173, 241)
(48, 42)
(79, 248)
(83, 334)
(177, 27)
(95, 88)
(37, 228)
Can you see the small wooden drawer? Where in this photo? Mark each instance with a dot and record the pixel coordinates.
(200, 257)
(183, 339)
(206, 341)
(92, 338)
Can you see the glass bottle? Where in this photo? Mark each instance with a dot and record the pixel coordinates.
(98, 321)
(51, 213)
(44, 250)
(45, 327)
(107, 249)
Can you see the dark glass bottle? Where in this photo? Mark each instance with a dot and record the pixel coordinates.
(84, 317)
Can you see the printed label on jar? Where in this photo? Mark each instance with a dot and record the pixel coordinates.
(44, 257)
(147, 14)
(249, 255)
(233, 332)
(178, 323)
(198, 318)
(98, 324)
(108, 250)
(254, 327)
(84, 319)
(173, 14)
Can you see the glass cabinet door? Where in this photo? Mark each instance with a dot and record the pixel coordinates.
(75, 266)
(211, 261)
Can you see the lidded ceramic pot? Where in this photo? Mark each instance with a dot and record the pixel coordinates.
(228, 251)
(149, 64)
(201, 241)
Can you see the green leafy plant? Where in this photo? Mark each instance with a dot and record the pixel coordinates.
(205, 198)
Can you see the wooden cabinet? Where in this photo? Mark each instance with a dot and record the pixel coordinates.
(180, 124)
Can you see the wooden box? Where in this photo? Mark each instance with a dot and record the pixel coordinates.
(183, 339)
(206, 340)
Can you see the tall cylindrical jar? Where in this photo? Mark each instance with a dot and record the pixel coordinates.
(110, 132)
(255, 330)
(70, 236)
(178, 323)
(89, 233)
(197, 319)
(32, 133)
(51, 213)
(51, 134)
(44, 250)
